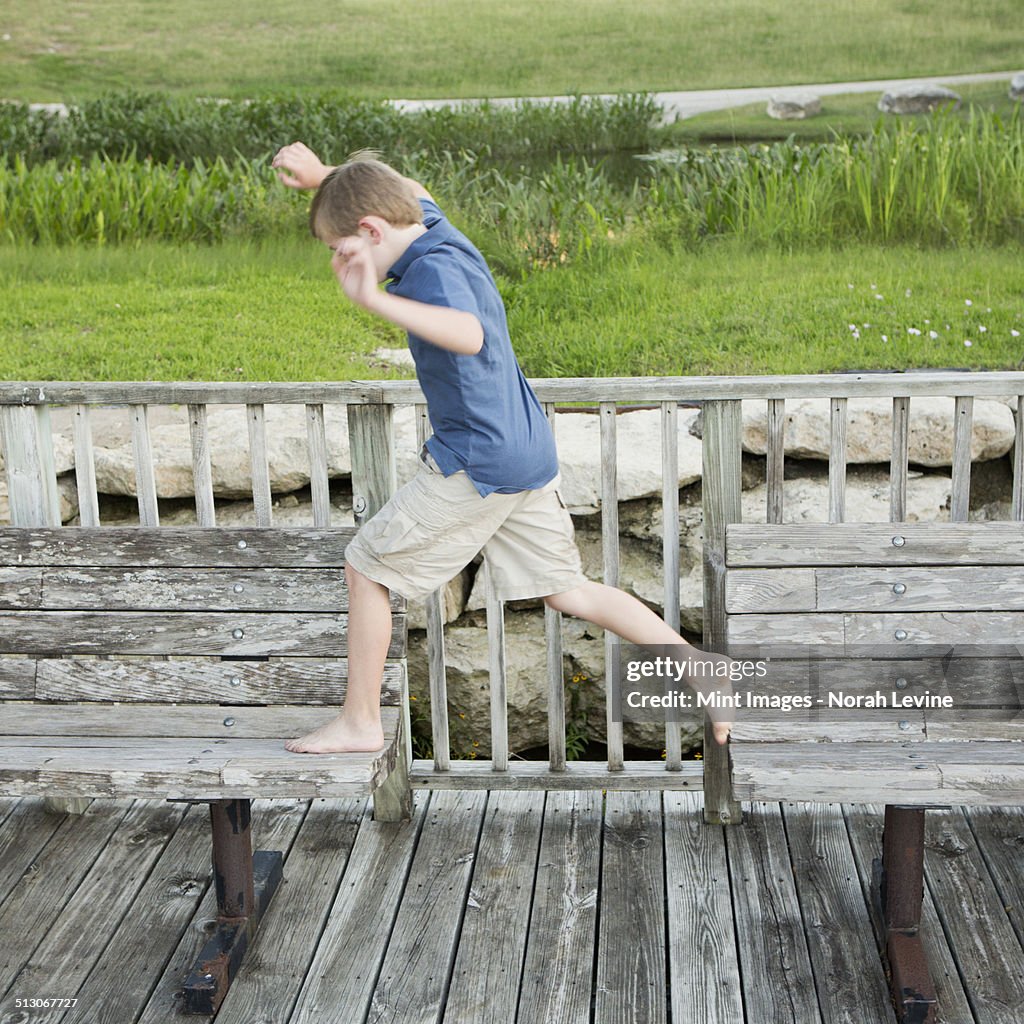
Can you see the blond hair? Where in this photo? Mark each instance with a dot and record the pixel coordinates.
(362, 186)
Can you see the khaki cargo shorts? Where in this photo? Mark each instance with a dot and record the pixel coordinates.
(436, 525)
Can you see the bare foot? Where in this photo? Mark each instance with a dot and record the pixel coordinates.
(340, 735)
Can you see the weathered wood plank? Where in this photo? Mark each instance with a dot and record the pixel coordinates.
(847, 971)
(292, 681)
(866, 544)
(610, 554)
(107, 588)
(981, 628)
(24, 834)
(787, 628)
(414, 976)
(998, 832)
(890, 588)
(497, 676)
(75, 723)
(85, 469)
(1017, 459)
(27, 442)
(69, 947)
(561, 389)
(348, 958)
(238, 634)
(581, 775)
(174, 546)
(899, 459)
(963, 417)
(259, 463)
(558, 969)
(630, 982)
(492, 941)
(38, 898)
(670, 551)
(145, 471)
(275, 964)
(202, 470)
(974, 917)
(778, 983)
(775, 458)
(721, 489)
(837, 459)
(318, 472)
(703, 969)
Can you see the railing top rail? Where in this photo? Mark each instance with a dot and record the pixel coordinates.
(552, 389)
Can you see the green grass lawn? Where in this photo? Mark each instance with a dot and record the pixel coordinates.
(850, 114)
(238, 312)
(70, 49)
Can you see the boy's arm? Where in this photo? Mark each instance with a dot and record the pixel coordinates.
(456, 330)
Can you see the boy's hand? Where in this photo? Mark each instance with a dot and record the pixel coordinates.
(307, 170)
(355, 270)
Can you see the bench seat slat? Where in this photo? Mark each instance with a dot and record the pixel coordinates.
(261, 633)
(850, 588)
(172, 546)
(190, 681)
(198, 768)
(109, 725)
(141, 589)
(810, 544)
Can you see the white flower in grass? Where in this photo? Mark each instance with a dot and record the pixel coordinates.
(967, 302)
(907, 293)
(879, 297)
(933, 335)
(874, 286)
(982, 329)
(968, 343)
(1014, 334)
(850, 286)
(852, 327)
(885, 337)
(913, 330)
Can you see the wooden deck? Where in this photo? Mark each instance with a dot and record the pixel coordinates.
(506, 907)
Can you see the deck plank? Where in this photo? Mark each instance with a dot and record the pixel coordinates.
(847, 970)
(42, 892)
(414, 976)
(778, 984)
(631, 968)
(987, 952)
(348, 958)
(559, 966)
(492, 943)
(999, 832)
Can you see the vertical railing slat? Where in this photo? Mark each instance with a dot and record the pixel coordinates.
(899, 461)
(775, 462)
(498, 675)
(202, 471)
(963, 416)
(85, 468)
(1018, 462)
(259, 464)
(319, 479)
(32, 493)
(437, 670)
(670, 552)
(555, 673)
(837, 461)
(721, 490)
(610, 548)
(145, 472)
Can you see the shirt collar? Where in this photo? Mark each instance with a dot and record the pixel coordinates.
(438, 233)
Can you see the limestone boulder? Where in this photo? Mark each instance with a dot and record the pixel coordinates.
(1016, 90)
(918, 99)
(794, 106)
(869, 429)
(638, 465)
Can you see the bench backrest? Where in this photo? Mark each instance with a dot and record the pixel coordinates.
(110, 614)
(917, 627)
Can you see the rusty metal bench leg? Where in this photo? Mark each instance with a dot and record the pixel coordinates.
(245, 883)
(899, 892)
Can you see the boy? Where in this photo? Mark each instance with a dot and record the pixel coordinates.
(490, 474)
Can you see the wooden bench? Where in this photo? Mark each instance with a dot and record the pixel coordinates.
(174, 663)
(906, 596)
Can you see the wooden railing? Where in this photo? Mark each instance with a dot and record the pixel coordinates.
(28, 451)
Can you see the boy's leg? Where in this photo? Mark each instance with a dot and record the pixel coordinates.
(358, 726)
(632, 620)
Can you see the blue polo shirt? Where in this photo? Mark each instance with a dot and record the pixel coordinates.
(485, 416)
